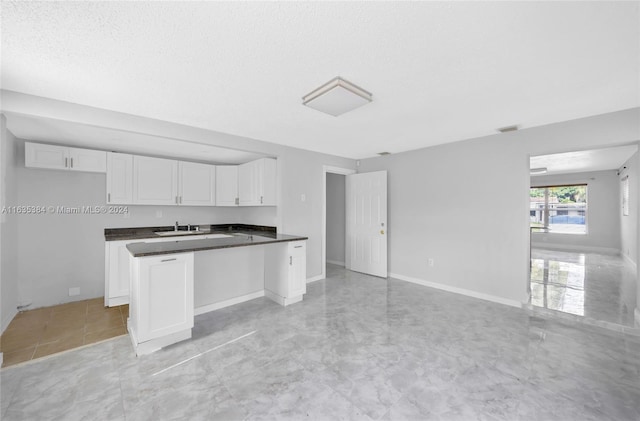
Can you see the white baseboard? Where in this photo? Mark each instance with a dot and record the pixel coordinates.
(462, 291)
(571, 247)
(315, 278)
(335, 262)
(233, 301)
(281, 300)
(630, 261)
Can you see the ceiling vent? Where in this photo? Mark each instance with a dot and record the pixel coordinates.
(337, 97)
(508, 129)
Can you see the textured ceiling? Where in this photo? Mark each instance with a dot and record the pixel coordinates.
(439, 72)
(582, 161)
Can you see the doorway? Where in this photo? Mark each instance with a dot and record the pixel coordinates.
(333, 218)
(583, 246)
(336, 224)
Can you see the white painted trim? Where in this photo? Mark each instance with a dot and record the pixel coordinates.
(630, 261)
(315, 278)
(571, 247)
(227, 303)
(462, 291)
(1, 359)
(117, 301)
(282, 300)
(335, 262)
(8, 319)
(333, 170)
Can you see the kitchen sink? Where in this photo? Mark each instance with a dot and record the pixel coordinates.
(166, 233)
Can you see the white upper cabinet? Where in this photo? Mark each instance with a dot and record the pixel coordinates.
(155, 181)
(87, 160)
(227, 185)
(197, 184)
(257, 183)
(248, 184)
(119, 178)
(64, 158)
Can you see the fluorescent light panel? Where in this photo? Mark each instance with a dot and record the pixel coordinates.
(337, 97)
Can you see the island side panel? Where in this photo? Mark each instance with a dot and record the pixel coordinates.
(227, 276)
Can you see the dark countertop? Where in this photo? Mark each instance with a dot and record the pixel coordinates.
(189, 244)
(141, 233)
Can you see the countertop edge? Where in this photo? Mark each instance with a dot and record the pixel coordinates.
(214, 247)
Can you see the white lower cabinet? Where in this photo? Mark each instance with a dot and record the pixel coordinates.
(116, 268)
(161, 310)
(286, 272)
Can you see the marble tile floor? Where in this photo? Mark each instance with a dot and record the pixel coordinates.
(357, 348)
(44, 331)
(596, 286)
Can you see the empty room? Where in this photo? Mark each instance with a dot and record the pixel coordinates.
(319, 210)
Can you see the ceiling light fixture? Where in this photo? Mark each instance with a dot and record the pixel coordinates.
(336, 97)
(538, 171)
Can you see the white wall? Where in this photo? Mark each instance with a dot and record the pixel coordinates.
(603, 212)
(335, 218)
(299, 172)
(466, 204)
(9, 296)
(629, 223)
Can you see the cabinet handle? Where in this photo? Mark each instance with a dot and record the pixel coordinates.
(297, 247)
(108, 197)
(261, 200)
(290, 260)
(237, 201)
(66, 162)
(176, 200)
(71, 162)
(168, 260)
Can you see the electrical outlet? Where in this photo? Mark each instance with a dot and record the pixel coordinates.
(431, 263)
(74, 291)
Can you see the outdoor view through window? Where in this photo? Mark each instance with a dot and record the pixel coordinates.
(559, 209)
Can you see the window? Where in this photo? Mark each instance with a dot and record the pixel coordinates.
(625, 196)
(559, 209)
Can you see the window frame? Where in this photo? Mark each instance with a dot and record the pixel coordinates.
(546, 209)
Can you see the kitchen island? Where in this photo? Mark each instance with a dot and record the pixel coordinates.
(172, 281)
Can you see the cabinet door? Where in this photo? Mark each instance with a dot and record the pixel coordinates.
(227, 185)
(268, 182)
(297, 269)
(155, 181)
(248, 184)
(46, 156)
(165, 295)
(117, 273)
(197, 184)
(119, 178)
(87, 160)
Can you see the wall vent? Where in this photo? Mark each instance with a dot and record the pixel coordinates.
(508, 129)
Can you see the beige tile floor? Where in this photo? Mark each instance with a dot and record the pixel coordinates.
(49, 330)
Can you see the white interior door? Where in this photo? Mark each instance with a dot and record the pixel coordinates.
(366, 223)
